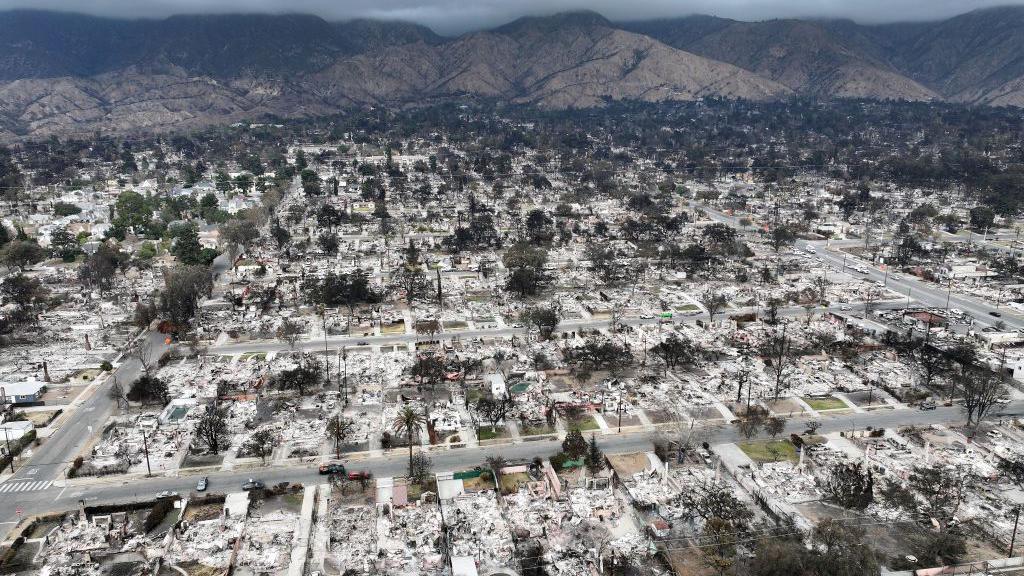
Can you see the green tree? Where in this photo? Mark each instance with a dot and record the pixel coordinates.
(429, 369)
(184, 287)
(133, 213)
(842, 550)
(27, 294)
(308, 374)
(64, 245)
(222, 181)
(149, 390)
(187, 248)
(849, 485)
(594, 458)
(408, 422)
(20, 253)
(982, 217)
(244, 182)
(208, 201)
(64, 209)
(328, 242)
(525, 263)
(544, 319)
(574, 445)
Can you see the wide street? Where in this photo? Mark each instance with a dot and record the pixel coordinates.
(66, 495)
(924, 293)
(79, 423)
(337, 342)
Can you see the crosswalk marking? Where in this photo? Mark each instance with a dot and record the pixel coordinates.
(25, 486)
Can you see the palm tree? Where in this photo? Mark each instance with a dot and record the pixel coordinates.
(338, 428)
(408, 422)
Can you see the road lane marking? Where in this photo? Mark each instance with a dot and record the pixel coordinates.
(25, 486)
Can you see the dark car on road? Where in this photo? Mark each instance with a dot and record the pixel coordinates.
(332, 468)
(252, 484)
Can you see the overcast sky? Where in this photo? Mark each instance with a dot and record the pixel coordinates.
(456, 16)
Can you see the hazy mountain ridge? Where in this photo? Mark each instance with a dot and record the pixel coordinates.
(977, 57)
(569, 60)
(71, 73)
(807, 56)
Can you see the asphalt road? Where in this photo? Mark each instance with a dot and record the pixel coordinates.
(337, 342)
(51, 457)
(99, 491)
(925, 293)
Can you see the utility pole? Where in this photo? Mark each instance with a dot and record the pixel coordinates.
(1013, 538)
(9, 453)
(440, 297)
(620, 409)
(145, 450)
(344, 357)
(327, 356)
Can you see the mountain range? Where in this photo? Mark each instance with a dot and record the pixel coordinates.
(66, 73)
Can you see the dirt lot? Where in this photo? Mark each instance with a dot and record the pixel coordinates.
(62, 393)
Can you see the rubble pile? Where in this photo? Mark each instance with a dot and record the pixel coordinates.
(353, 538)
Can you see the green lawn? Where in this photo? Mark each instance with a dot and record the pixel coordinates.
(761, 450)
(820, 404)
(488, 433)
(536, 430)
(584, 424)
